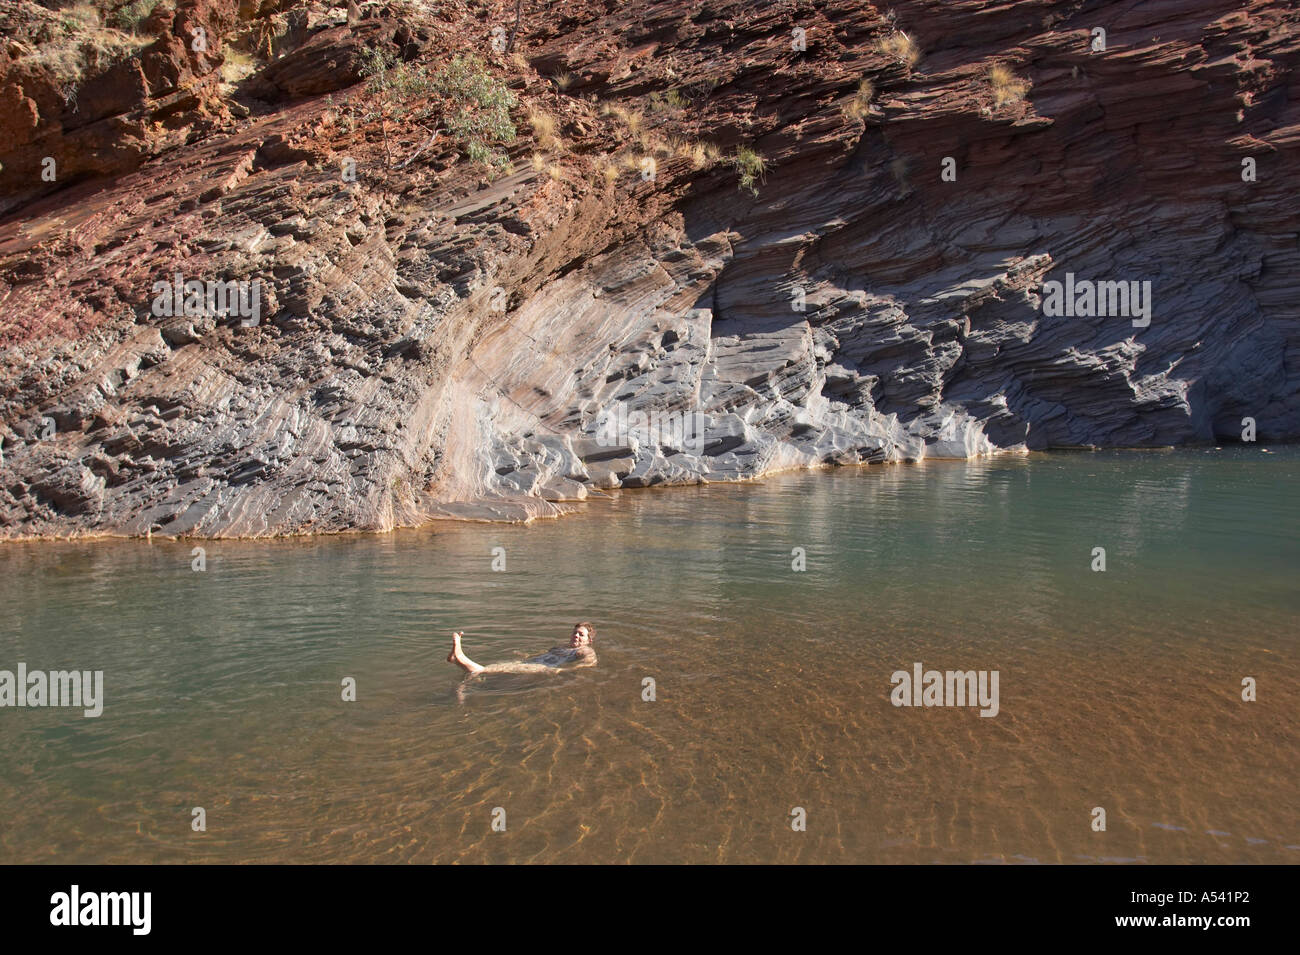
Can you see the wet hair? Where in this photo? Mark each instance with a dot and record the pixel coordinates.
(591, 631)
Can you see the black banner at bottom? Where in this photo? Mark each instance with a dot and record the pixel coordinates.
(334, 903)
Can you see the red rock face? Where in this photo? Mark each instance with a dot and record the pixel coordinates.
(97, 101)
(781, 235)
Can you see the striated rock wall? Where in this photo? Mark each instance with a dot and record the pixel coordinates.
(438, 339)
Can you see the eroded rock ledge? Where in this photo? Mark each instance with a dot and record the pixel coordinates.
(437, 341)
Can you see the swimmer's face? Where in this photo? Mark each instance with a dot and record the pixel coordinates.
(580, 637)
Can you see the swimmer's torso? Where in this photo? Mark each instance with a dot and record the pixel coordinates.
(564, 656)
(552, 661)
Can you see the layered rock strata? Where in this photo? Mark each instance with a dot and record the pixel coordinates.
(616, 310)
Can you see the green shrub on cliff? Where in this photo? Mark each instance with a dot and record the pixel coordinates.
(379, 67)
(478, 117)
(750, 167)
(475, 111)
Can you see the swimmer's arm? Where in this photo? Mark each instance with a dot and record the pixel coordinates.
(585, 657)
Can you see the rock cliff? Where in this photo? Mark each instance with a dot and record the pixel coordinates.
(718, 240)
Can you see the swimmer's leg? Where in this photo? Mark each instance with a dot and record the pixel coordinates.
(457, 656)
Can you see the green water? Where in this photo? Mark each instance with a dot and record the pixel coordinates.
(1118, 689)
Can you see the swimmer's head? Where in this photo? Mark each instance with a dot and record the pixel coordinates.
(584, 634)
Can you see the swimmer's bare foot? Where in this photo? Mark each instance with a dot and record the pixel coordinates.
(457, 656)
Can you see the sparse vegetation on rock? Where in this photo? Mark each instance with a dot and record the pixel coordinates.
(860, 104)
(1008, 88)
(750, 167)
(901, 47)
(84, 40)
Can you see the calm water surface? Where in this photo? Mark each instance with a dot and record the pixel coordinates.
(1119, 689)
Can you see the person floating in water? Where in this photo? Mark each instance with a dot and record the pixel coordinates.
(579, 653)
